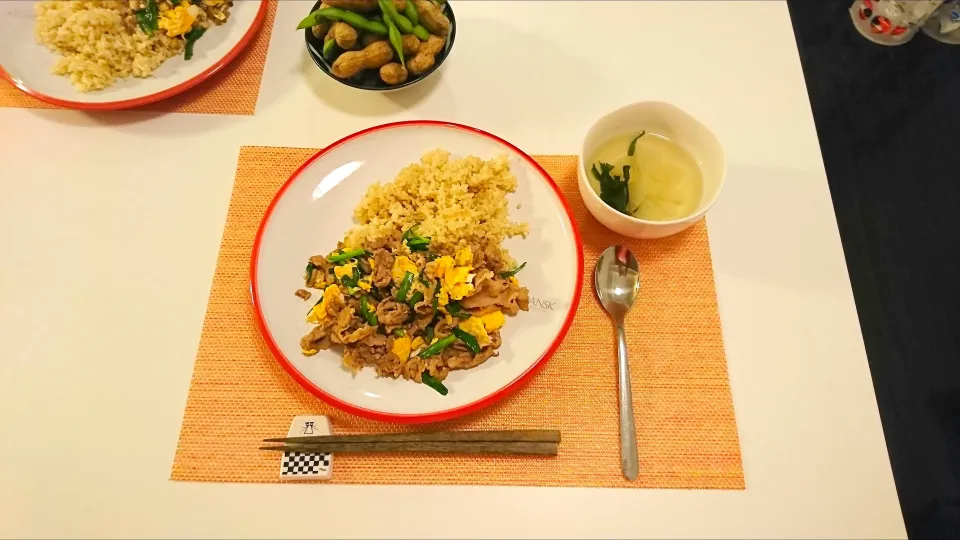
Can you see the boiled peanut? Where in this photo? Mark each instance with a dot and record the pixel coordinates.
(345, 35)
(410, 45)
(320, 30)
(393, 73)
(350, 63)
(432, 18)
(426, 57)
(369, 38)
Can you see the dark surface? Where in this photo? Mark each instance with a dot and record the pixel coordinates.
(888, 119)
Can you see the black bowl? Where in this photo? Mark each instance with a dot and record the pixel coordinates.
(369, 79)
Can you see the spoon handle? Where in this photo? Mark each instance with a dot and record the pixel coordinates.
(629, 462)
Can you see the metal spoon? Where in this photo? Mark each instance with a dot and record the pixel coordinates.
(617, 282)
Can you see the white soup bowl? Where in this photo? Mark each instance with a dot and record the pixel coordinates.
(668, 121)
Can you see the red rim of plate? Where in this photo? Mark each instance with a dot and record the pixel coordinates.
(151, 98)
(428, 417)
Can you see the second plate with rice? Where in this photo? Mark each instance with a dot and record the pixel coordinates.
(463, 206)
(103, 60)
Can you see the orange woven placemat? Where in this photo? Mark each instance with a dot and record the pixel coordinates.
(686, 429)
(234, 90)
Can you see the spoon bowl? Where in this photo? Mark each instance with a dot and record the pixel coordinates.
(617, 280)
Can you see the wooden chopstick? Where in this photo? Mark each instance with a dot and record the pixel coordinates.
(457, 447)
(520, 435)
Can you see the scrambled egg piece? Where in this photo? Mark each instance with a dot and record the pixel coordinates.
(402, 265)
(437, 267)
(319, 311)
(514, 280)
(402, 347)
(493, 320)
(417, 344)
(464, 257)
(345, 270)
(474, 327)
(177, 21)
(364, 283)
(458, 281)
(213, 2)
(309, 352)
(455, 281)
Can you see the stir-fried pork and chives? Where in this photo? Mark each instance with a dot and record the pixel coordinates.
(407, 311)
(187, 19)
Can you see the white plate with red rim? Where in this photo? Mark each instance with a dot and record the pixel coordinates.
(26, 64)
(314, 209)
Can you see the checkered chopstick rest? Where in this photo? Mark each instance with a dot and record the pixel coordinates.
(303, 465)
(307, 465)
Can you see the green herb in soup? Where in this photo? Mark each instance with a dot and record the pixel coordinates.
(613, 187)
(647, 176)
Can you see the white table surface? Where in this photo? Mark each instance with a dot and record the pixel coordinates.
(107, 259)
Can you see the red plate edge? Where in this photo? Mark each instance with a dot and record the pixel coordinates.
(161, 95)
(414, 418)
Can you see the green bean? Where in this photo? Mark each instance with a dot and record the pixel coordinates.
(415, 299)
(633, 144)
(428, 334)
(389, 10)
(428, 379)
(411, 13)
(310, 268)
(403, 23)
(190, 38)
(396, 39)
(353, 280)
(311, 20)
(406, 26)
(455, 309)
(436, 291)
(336, 14)
(315, 305)
(422, 33)
(437, 347)
(344, 255)
(511, 273)
(404, 287)
(365, 312)
(399, 332)
(414, 240)
(389, 18)
(468, 340)
(328, 45)
(148, 18)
